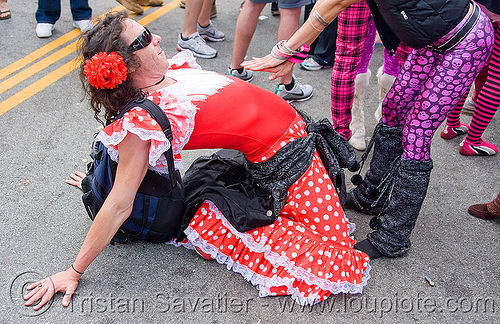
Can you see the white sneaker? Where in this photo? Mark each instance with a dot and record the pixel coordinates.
(311, 65)
(44, 30)
(84, 25)
(246, 75)
(299, 92)
(197, 45)
(210, 33)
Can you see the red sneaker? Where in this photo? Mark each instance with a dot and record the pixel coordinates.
(482, 149)
(450, 132)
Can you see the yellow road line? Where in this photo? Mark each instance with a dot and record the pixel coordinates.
(28, 59)
(158, 13)
(38, 53)
(37, 67)
(55, 75)
(37, 86)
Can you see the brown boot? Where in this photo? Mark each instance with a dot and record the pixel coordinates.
(131, 5)
(487, 211)
(153, 3)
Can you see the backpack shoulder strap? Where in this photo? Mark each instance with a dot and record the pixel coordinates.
(161, 118)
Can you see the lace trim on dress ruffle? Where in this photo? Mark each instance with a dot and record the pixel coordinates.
(276, 260)
(185, 243)
(262, 283)
(155, 151)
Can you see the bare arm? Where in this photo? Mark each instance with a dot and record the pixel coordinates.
(117, 207)
(329, 10)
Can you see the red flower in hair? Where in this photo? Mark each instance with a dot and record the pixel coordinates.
(105, 71)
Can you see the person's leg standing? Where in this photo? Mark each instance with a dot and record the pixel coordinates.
(189, 38)
(80, 10)
(49, 11)
(323, 48)
(426, 90)
(352, 26)
(487, 104)
(289, 23)
(245, 28)
(288, 88)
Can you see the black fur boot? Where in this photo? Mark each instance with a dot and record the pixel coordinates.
(387, 142)
(393, 227)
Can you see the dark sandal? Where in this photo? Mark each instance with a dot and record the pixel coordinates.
(5, 17)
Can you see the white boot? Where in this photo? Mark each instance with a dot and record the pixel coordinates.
(357, 125)
(385, 80)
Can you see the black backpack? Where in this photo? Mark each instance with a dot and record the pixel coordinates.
(159, 203)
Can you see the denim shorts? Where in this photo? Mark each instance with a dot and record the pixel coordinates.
(287, 4)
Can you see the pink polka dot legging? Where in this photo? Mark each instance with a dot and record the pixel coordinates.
(430, 84)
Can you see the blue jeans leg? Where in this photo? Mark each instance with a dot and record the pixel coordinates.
(48, 11)
(80, 9)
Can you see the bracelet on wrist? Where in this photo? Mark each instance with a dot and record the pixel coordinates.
(80, 273)
(282, 52)
(314, 27)
(319, 18)
(300, 56)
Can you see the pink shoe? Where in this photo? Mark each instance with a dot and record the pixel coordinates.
(450, 132)
(484, 148)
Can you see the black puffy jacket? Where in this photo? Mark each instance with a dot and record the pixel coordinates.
(491, 5)
(416, 23)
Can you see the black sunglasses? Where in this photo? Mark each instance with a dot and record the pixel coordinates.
(143, 40)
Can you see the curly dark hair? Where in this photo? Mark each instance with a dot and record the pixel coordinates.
(105, 37)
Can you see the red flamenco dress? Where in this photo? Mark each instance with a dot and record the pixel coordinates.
(308, 252)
